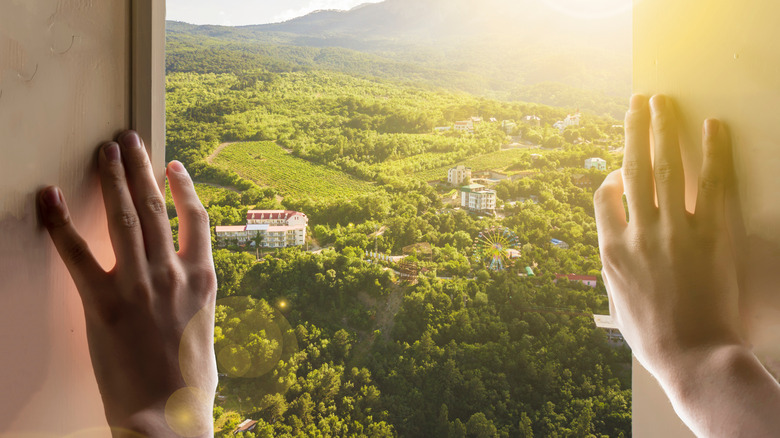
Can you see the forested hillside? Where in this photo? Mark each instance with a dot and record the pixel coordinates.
(504, 49)
(332, 343)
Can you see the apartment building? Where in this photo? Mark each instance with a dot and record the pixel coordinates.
(277, 228)
(477, 197)
(458, 175)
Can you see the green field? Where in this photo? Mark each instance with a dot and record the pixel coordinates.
(498, 160)
(207, 193)
(269, 165)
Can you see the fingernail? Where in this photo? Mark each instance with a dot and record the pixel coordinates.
(711, 127)
(176, 166)
(637, 102)
(658, 102)
(51, 197)
(111, 151)
(130, 139)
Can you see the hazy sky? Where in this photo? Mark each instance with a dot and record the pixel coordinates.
(243, 12)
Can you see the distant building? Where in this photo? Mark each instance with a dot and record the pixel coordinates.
(498, 175)
(476, 120)
(477, 197)
(570, 120)
(458, 175)
(532, 120)
(596, 163)
(587, 280)
(442, 128)
(559, 243)
(464, 125)
(245, 426)
(614, 337)
(278, 229)
(508, 126)
(493, 120)
(583, 181)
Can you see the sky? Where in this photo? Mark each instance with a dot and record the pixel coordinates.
(244, 12)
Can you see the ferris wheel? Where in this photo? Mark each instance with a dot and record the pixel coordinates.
(496, 247)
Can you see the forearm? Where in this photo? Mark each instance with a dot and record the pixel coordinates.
(724, 392)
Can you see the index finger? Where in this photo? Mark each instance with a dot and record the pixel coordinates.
(74, 251)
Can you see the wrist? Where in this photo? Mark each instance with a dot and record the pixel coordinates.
(685, 375)
(188, 412)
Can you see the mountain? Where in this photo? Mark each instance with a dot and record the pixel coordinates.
(516, 48)
(448, 21)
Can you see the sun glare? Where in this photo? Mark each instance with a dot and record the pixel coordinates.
(590, 9)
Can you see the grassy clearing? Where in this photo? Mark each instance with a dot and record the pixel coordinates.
(498, 160)
(269, 165)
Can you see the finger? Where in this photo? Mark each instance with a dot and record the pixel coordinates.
(123, 225)
(715, 169)
(608, 204)
(194, 232)
(637, 165)
(667, 166)
(73, 250)
(149, 202)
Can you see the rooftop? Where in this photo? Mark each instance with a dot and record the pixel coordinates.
(605, 321)
(271, 214)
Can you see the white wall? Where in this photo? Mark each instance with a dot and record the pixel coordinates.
(65, 84)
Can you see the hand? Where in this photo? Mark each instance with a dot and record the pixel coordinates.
(672, 282)
(150, 318)
(671, 274)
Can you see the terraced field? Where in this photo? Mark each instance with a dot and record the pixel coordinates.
(269, 165)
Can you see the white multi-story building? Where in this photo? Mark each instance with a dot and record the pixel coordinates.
(458, 175)
(570, 120)
(278, 229)
(477, 197)
(596, 163)
(465, 125)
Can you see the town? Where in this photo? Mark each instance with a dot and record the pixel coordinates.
(363, 228)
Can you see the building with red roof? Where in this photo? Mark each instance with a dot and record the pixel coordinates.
(277, 228)
(587, 280)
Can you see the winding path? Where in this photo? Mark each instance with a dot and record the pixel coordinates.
(219, 149)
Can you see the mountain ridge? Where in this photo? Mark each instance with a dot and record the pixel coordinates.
(539, 45)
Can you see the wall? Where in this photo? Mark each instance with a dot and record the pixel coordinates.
(719, 59)
(65, 87)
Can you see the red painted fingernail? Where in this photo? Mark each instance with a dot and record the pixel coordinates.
(130, 139)
(176, 166)
(111, 151)
(711, 127)
(51, 197)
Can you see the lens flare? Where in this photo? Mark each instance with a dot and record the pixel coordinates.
(187, 412)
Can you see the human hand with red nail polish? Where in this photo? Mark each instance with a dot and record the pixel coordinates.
(150, 319)
(671, 277)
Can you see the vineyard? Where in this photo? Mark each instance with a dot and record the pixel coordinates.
(207, 193)
(498, 160)
(269, 165)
